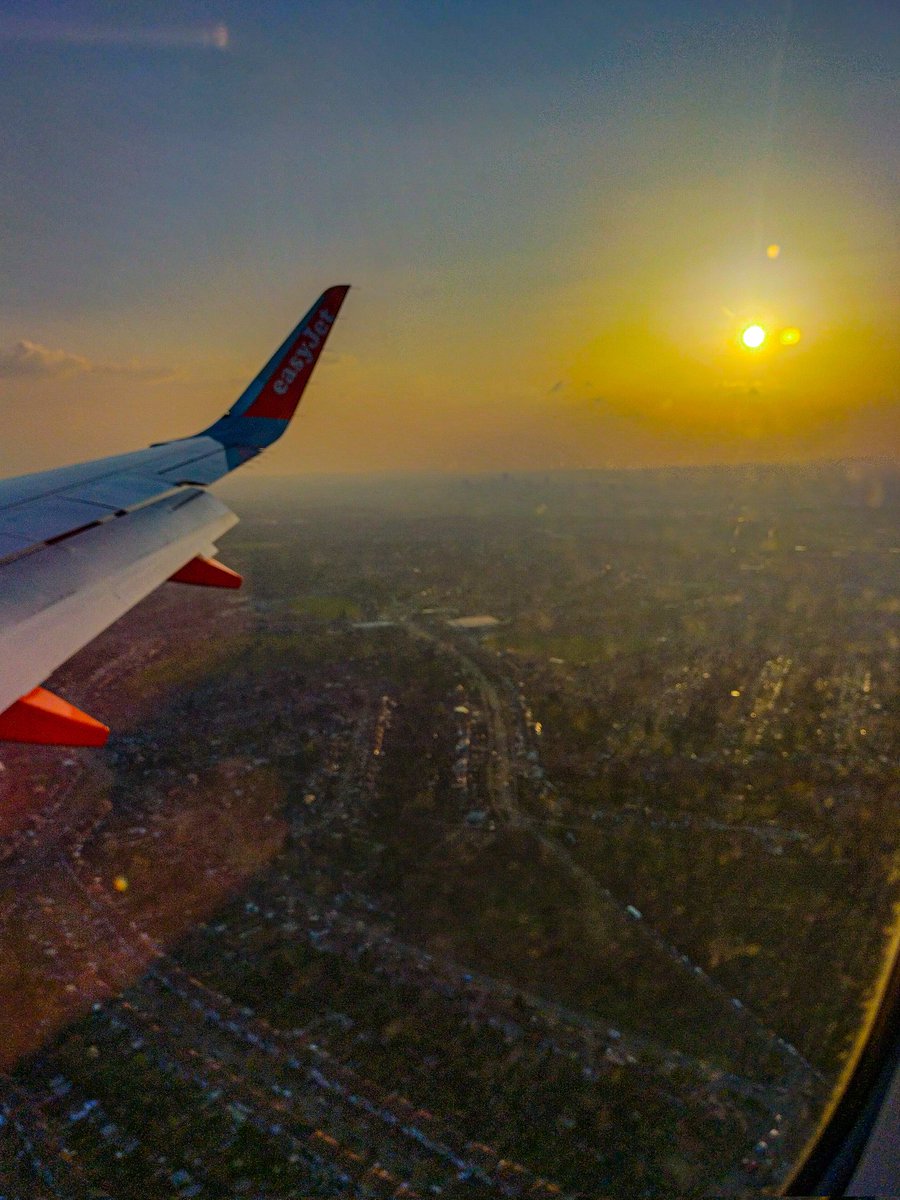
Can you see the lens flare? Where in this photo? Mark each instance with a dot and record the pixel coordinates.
(753, 337)
(789, 337)
(773, 251)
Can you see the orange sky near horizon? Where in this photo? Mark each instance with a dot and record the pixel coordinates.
(550, 268)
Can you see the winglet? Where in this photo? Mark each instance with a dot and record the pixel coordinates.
(47, 720)
(262, 412)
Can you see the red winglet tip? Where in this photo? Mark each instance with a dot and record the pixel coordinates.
(291, 371)
(45, 719)
(207, 572)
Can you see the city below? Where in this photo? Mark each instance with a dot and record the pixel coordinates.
(528, 835)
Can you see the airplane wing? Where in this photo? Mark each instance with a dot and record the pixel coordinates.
(81, 545)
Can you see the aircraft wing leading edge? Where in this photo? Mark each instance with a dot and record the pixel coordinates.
(81, 545)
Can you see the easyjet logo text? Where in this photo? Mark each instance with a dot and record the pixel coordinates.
(306, 351)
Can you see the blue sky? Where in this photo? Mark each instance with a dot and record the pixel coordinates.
(503, 183)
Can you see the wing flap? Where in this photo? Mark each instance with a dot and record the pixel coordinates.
(52, 517)
(11, 545)
(120, 492)
(29, 521)
(166, 463)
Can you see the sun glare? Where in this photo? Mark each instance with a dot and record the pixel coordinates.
(753, 337)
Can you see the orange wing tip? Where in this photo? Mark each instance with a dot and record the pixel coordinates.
(207, 572)
(45, 719)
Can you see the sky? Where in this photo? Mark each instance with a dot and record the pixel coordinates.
(556, 218)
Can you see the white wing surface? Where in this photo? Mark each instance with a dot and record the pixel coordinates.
(81, 545)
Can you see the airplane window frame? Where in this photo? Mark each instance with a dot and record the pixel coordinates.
(836, 1151)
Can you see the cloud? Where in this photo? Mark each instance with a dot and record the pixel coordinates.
(31, 360)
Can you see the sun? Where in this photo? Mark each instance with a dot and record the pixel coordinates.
(753, 337)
